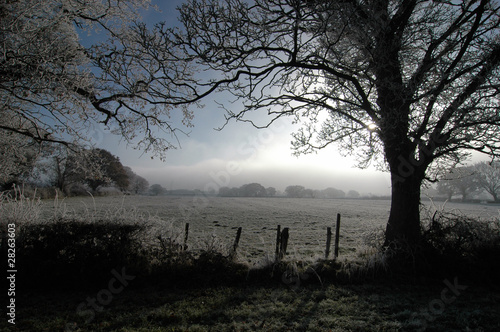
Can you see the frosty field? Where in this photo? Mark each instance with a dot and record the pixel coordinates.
(214, 220)
(195, 301)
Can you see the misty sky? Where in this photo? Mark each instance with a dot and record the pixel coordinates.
(240, 153)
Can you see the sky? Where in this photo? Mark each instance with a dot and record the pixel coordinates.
(239, 154)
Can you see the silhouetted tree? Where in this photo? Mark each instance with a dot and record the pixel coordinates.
(411, 84)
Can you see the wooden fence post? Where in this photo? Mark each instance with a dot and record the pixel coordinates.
(337, 236)
(186, 233)
(284, 242)
(278, 237)
(235, 244)
(328, 241)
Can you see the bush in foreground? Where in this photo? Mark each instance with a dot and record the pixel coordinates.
(452, 244)
(79, 254)
(68, 253)
(466, 245)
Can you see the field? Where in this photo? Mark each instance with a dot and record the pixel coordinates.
(304, 304)
(362, 221)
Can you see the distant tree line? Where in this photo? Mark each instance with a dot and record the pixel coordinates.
(469, 181)
(302, 192)
(296, 191)
(248, 190)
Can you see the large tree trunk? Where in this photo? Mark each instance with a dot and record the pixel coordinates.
(403, 226)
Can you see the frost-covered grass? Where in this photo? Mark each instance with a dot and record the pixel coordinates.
(362, 221)
(373, 307)
(220, 217)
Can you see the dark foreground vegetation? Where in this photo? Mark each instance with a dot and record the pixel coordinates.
(76, 275)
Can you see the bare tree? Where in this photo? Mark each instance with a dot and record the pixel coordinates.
(410, 85)
(55, 88)
(459, 180)
(64, 168)
(488, 175)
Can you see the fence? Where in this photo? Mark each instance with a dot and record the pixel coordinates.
(282, 237)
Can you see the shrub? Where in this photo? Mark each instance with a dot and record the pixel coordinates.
(77, 253)
(78, 250)
(451, 244)
(464, 244)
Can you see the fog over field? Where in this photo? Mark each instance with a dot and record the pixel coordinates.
(362, 221)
